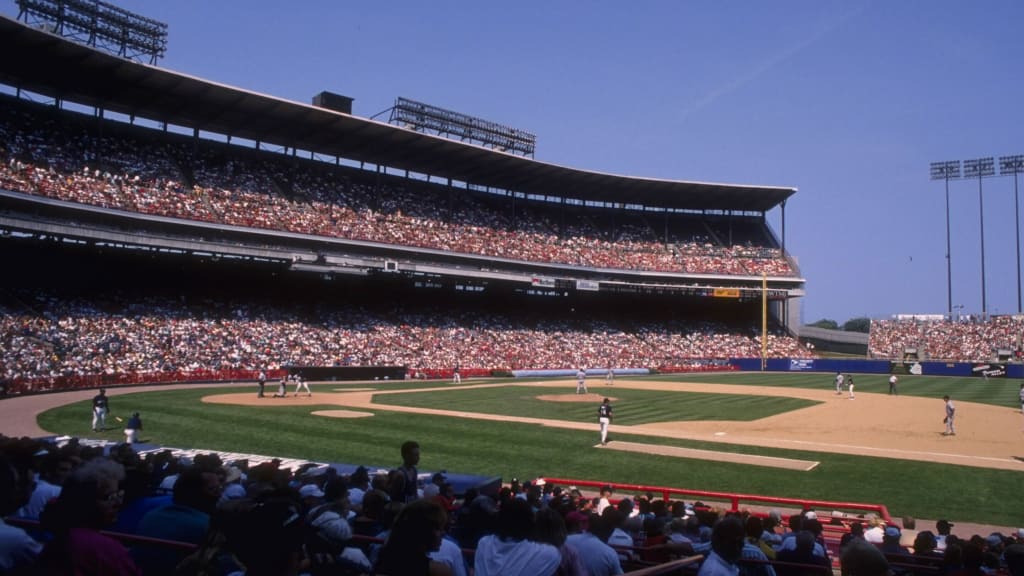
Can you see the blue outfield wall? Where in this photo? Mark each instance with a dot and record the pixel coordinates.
(591, 372)
(997, 370)
(813, 365)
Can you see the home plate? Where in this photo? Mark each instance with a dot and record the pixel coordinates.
(736, 458)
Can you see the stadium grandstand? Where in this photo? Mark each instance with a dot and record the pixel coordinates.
(158, 227)
(174, 178)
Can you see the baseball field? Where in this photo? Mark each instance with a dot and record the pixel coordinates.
(703, 431)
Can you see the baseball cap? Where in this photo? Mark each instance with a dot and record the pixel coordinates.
(892, 532)
(311, 491)
(811, 515)
(943, 524)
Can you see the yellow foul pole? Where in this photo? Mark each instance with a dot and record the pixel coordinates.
(764, 321)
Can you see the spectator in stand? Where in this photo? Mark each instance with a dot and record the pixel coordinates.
(186, 519)
(891, 542)
(591, 542)
(416, 533)
(403, 481)
(511, 551)
(727, 541)
(876, 529)
(551, 530)
(89, 501)
(755, 532)
(802, 553)
(856, 533)
(18, 551)
(56, 466)
(861, 558)
(942, 529)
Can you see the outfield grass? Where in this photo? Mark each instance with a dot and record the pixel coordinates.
(509, 449)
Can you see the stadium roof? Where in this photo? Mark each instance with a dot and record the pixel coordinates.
(61, 68)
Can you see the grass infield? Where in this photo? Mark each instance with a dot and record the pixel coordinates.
(510, 449)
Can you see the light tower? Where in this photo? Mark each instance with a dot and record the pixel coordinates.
(1014, 165)
(981, 167)
(949, 170)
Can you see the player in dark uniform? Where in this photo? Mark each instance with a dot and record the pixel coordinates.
(100, 407)
(604, 416)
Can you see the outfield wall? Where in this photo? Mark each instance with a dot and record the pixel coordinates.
(979, 369)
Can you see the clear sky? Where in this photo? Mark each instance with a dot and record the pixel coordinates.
(848, 101)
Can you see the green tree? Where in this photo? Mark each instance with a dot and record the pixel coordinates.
(826, 323)
(858, 325)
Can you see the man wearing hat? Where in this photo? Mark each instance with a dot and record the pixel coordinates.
(942, 527)
(131, 429)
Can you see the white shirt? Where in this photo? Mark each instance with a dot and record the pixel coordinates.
(497, 557)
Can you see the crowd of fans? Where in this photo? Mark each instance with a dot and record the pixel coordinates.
(956, 340)
(126, 170)
(44, 337)
(72, 509)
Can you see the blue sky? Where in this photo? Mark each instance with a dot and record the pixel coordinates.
(847, 101)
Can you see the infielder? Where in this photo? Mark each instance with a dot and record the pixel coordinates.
(581, 381)
(950, 415)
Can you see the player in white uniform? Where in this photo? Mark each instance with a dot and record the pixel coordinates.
(581, 381)
(301, 384)
(950, 415)
(839, 383)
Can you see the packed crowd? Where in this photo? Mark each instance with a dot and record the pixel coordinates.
(126, 170)
(45, 337)
(961, 340)
(166, 515)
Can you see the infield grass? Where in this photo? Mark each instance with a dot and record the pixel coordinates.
(508, 449)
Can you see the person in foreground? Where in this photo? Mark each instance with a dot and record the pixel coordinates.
(417, 532)
(89, 502)
(511, 552)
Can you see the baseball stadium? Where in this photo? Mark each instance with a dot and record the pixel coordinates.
(203, 253)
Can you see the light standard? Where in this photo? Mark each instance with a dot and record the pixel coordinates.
(949, 170)
(1014, 165)
(981, 167)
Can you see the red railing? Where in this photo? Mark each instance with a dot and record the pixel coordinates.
(825, 509)
(66, 383)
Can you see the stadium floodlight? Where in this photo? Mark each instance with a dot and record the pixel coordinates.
(100, 25)
(979, 168)
(425, 117)
(1014, 165)
(948, 170)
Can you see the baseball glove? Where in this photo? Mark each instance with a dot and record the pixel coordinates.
(945, 420)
